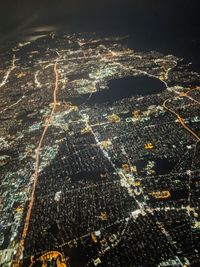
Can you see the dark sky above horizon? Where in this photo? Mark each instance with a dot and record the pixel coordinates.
(180, 16)
(164, 22)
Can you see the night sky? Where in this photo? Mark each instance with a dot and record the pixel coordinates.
(168, 25)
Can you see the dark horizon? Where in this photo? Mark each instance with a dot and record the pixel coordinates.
(166, 26)
(153, 19)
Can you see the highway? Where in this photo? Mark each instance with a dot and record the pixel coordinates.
(180, 119)
(20, 249)
(12, 67)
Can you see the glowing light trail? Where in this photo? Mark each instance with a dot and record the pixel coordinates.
(17, 261)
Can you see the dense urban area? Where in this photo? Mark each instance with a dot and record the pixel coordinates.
(99, 155)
